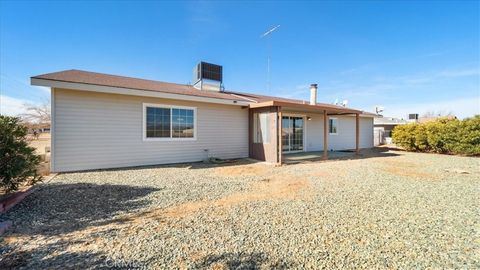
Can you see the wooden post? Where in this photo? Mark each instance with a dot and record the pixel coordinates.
(357, 132)
(325, 135)
(279, 135)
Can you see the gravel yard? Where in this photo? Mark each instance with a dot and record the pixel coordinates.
(385, 210)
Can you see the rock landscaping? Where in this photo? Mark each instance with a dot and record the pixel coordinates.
(385, 210)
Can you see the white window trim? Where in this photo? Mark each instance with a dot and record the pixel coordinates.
(333, 118)
(144, 126)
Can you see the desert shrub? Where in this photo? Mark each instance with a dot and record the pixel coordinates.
(435, 138)
(18, 162)
(421, 138)
(450, 136)
(405, 136)
(468, 141)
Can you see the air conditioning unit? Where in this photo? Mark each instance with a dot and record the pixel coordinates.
(208, 77)
(413, 116)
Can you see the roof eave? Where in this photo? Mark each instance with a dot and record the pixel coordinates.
(304, 106)
(130, 91)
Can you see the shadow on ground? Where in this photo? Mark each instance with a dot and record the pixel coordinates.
(190, 165)
(316, 156)
(63, 208)
(57, 209)
(312, 156)
(241, 261)
(11, 258)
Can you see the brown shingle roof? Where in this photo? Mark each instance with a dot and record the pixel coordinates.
(263, 98)
(93, 78)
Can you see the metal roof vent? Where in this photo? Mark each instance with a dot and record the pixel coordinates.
(208, 77)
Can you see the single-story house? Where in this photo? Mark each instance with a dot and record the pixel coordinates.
(383, 127)
(106, 121)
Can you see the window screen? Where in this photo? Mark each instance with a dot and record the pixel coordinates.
(261, 127)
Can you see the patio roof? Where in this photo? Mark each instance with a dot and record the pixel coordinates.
(319, 107)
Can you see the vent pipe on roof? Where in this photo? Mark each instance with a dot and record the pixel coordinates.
(313, 94)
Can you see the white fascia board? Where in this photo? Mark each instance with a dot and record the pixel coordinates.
(132, 92)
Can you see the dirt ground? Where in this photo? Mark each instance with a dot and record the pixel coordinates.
(40, 143)
(381, 209)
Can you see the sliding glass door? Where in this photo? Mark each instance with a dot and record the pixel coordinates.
(292, 133)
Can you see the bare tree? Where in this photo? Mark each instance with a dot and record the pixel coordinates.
(37, 113)
(428, 114)
(433, 114)
(37, 117)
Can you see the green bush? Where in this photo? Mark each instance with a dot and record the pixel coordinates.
(18, 162)
(449, 136)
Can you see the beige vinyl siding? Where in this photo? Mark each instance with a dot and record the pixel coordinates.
(97, 130)
(314, 131)
(345, 138)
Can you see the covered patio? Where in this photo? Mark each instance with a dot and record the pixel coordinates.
(267, 138)
(293, 158)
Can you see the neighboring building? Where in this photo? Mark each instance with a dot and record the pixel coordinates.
(383, 127)
(429, 117)
(412, 118)
(106, 121)
(425, 119)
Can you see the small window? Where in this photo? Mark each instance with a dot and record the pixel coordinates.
(166, 122)
(261, 127)
(333, 126)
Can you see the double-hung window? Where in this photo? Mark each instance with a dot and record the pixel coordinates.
(166, 122)
(333, 126)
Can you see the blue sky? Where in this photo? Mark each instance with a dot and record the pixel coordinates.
(407, 56)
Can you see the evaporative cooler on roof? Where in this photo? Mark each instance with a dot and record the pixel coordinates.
(208, 76)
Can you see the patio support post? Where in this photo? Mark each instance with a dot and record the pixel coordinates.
(325, 135)
(357, 132)
(279, 135)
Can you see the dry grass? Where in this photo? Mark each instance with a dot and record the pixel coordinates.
(368, 183)
(243, 170)
(408, 169)
(279, 187)
(410, 172)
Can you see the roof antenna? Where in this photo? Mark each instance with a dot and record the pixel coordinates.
(379, 109)
(267, 35)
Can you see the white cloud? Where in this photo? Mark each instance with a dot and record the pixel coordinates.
(461, 107)
(390, 62)
(350, 91)
(302, 87)
(12, 106)
(299, 94)
(435, 77)
(42, 88)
